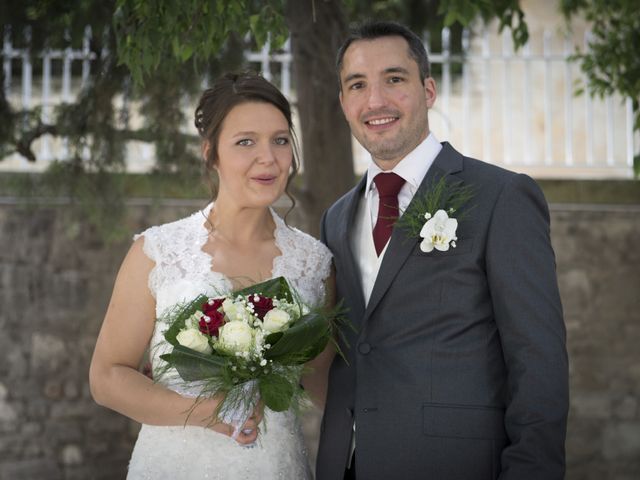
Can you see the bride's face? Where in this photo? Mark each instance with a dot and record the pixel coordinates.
(254, 155)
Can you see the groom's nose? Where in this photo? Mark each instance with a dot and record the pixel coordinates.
(376, 97)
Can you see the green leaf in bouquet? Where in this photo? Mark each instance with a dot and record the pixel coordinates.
(178, 315)
(274, 288)
(192, 365)
(276, 391)
(300, 343)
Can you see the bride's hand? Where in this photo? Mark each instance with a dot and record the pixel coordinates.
(250, 430)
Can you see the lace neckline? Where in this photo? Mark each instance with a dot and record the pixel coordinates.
(204, 236)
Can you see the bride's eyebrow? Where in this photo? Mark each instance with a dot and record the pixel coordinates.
(243, 134)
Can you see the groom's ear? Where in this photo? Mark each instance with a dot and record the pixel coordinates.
(430, 92)
(340, 98)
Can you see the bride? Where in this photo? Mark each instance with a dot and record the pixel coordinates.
(245, 124)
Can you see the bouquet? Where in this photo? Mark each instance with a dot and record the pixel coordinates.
(247, 346)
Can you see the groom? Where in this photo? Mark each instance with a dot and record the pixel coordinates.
(458, 368)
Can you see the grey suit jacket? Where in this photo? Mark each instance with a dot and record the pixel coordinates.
(458, 368)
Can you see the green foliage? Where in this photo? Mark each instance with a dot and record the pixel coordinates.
(440, 194)
(164, 33)
(277, 391)
(612, 62)
(192, 365)
(508, 12)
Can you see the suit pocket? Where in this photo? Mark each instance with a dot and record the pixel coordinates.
(463, 245)
(461, 421)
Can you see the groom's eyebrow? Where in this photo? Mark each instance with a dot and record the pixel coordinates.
(357, 76)
(396, 70)
(353, 76)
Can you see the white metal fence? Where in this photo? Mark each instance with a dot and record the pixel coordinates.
(513, 109)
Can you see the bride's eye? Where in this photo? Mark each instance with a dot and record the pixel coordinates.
(281, 141)
(245, 142)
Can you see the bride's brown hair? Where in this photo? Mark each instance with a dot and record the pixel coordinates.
(227, 92)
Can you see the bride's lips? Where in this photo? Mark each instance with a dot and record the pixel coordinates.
(265, 179)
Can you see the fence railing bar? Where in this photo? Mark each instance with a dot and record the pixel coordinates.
(610, 131)
(486, 100)
(26, 71)
(526, 97)
(568, 106)
(45, 146)
(466, 97)
(446, 80)
(628, 104)
(589, 112)
(86, 51)
(507, 106)
(548, 118)
(7, 55)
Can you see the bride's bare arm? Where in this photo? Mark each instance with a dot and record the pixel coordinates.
(315, 381)
(126, 331)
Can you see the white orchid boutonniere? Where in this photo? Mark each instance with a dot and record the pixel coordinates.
(431, 216)
(439, 232)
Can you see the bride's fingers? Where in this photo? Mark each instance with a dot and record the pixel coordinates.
(247, 435)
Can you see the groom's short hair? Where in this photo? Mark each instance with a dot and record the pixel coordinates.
(373, 30)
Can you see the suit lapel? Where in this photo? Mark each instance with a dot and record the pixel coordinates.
(351, 270)
(448, 161)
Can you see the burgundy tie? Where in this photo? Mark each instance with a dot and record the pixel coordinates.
(388, 185)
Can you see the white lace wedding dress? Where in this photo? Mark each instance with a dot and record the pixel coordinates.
(182, 272)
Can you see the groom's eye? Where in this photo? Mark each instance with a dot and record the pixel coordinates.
(356, 86)
(396, 79)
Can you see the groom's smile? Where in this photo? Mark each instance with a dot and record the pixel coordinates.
(383, 98)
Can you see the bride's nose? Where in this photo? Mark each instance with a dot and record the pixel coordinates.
(266, 154)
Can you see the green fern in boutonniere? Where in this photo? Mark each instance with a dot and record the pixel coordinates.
(434, 216)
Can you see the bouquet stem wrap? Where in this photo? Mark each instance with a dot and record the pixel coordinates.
(238, 414)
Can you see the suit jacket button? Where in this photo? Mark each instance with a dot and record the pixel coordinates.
(364, 348)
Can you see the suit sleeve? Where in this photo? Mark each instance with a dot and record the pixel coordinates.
(522, 280)
(323, 229)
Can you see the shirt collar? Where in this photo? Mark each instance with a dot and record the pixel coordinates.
(413, 167)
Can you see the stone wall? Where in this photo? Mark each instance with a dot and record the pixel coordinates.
(55, 282)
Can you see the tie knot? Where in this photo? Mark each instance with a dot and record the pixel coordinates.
(388, 184)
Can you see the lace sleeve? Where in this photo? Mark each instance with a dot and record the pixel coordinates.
(151, 250)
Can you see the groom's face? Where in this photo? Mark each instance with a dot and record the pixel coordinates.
(383, 98)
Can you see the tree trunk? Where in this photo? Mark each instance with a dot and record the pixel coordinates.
(317, 28)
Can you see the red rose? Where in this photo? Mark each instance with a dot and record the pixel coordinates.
(261, 305)
(216, 319)
(212, 306)
(211, 327)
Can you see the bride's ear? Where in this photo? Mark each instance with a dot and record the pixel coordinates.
(205, 149)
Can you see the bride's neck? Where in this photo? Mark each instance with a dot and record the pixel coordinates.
(240, 225)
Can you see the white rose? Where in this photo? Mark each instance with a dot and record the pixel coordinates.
(194, 339)
(194, 320)
(438, 232)
(235, 337)
(275, 320)
(235, 311)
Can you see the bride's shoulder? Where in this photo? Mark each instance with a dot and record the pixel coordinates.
(303, 256)
(171, 234)
(301, 241)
